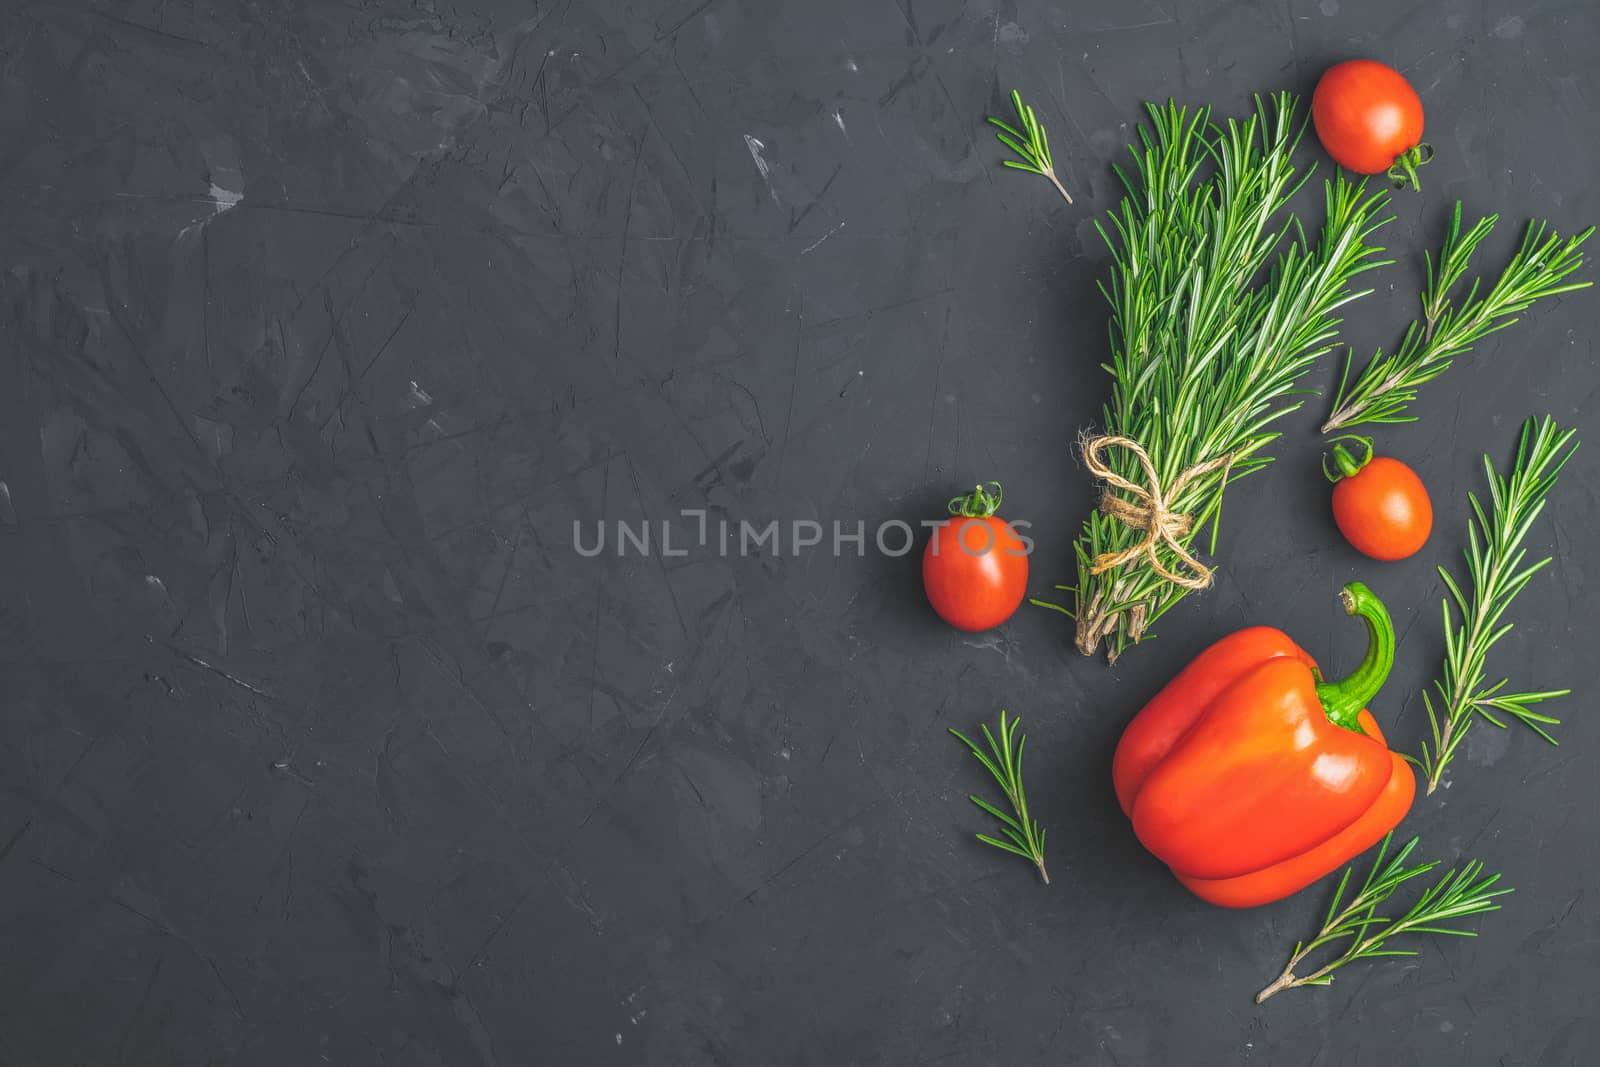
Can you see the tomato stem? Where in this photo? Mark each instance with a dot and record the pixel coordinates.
(1348, 466)
(1403, 172)
(1344, 700)
(983, 501)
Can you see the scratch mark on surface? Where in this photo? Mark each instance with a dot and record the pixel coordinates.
(622, 253)
(838, 120)
(1132, 26)
(220, 673)
(645, 740)
(572, 892)
(1481, 831)
(11, 844)
(144, 362)
(761, 422)
(697, 794)
(812, 247)
(335, 331)
(796, 220)
(683, 168)
(599, 589)
(477, 957)
(666, 579)
(872, 312)
(662, 35)
(166, 931)
(808, 850)
(1567, 912)
(144, 998)
(933, 402)
(130, 24)
(794, 377)
(386, 341)
(1547, 768)
(762, 166)
(913, 73)
(910, 16)
(688, 85)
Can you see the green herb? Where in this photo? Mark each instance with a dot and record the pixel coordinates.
(1494, 564)
(1219, 304)
(1455, 896)
(1030, 142)
(1023, 834)
(1387, 384)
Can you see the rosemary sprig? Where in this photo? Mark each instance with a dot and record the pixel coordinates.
(1030, 142)
(1389, 383)
(1494, 565)
(1456, 895)
(1023, 834)
(1219, 304)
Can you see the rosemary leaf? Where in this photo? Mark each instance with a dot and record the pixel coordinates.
(1003, 760)
(1030, 143)
(1497, 573)
(1384, 388)
(1457, 895)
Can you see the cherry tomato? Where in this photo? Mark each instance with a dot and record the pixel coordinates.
(1380, 504)
(975, 568)
(1370, 120)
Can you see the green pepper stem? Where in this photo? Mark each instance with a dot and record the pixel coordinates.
(1344, 700)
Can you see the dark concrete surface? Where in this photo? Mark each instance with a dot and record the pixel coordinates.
(322, 323)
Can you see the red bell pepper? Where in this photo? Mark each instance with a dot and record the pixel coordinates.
(1251, 777)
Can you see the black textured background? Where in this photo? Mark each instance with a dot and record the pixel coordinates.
(323, 321)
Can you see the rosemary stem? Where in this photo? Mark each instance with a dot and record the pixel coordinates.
(1442, 745)
(1462, 690)
(1459, 704)
(1354, 412)
(1286, 980)
(1062, 189)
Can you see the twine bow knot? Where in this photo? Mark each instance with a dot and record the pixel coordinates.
(1151, 511)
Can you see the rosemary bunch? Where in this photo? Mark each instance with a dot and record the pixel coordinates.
(1219, 304)
(1387, 384)
(1495, 567)
(1456, 895)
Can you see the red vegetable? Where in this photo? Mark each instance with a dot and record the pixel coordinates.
(1251, 776)
(975, 568)
(1380, 504)
(1370, 120)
